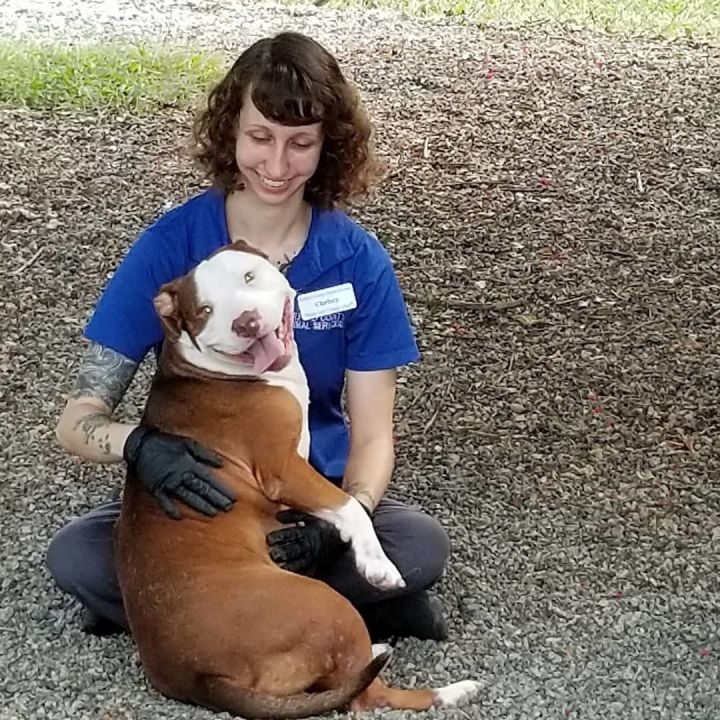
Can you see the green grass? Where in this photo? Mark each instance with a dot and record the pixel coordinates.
(113, 77)
(139, 78)
(672, 19)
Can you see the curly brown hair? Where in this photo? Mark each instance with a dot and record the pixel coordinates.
(292, 80)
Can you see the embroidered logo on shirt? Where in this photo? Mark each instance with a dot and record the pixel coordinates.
(326, 322)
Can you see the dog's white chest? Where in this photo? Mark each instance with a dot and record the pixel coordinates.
(292, 377)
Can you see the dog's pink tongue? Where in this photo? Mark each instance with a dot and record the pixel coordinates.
(265, 351)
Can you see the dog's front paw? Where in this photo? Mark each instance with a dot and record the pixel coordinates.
(377, 568)
(374, 565)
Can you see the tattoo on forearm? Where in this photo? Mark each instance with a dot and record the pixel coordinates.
(104, 374)
(95, 430)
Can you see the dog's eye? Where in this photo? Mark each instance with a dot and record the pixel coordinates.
(249, 276)
(206, 310)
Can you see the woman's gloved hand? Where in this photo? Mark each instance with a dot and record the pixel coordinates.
(309, 547)
(171, 466)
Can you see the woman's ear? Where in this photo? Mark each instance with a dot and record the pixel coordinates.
(168, 308)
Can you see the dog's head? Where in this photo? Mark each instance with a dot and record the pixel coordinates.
(232, 314)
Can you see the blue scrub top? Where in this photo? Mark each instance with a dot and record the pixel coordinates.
(376, 335)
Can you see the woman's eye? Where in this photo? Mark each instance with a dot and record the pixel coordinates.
(260, 139)
(249, 277)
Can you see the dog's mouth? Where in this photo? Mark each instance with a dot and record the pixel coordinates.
(270, 352)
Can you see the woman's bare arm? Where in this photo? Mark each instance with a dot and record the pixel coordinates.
(370, 464)
(86, 427)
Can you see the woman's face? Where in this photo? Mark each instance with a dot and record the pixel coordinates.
(275, 161)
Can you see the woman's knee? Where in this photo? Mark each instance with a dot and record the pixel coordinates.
(418, 545)
(79, 555)
(432, 549)
(63, 556)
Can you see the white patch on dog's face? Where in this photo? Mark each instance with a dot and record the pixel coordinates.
(248, 305)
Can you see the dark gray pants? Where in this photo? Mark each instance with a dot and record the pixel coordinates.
(80, 558)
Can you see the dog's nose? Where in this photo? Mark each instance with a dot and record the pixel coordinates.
(247, 325)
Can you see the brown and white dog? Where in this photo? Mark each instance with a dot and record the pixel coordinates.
(216, 622)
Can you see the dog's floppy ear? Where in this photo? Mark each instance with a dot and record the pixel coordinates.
(244, 246)
(167, 306)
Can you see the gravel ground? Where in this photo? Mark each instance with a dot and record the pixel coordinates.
(553, 206)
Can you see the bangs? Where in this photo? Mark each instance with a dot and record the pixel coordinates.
(285, 96)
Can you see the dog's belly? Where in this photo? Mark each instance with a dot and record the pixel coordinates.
(193, 616)
(185, 582)
(155, 553)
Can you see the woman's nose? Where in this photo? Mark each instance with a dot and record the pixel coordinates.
(276, 164)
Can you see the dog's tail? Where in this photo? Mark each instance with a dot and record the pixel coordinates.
(224, 695)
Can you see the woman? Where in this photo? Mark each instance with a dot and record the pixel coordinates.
(285, 142)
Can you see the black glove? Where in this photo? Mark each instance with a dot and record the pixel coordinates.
(174, 466)
(307, 549)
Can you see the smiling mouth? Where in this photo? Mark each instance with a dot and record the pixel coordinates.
(273, 184)
(270, 351)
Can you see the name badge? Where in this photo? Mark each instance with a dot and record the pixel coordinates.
(326, 301)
